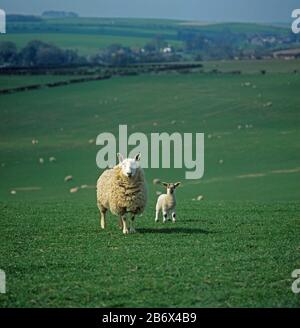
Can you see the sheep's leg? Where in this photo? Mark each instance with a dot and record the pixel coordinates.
(125, 229)
(165, 216)
(132, 229)
(174, 216)
(121, 224)
(102, 217)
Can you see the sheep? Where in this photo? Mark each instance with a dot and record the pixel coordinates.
(200, 197)
(156, 181)
(167, 202)
(73, 190)
(68, 178)
(123, 191)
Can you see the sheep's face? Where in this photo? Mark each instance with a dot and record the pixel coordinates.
(171, 187)
(129, 166)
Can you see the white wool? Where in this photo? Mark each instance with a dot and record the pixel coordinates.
(122, 190)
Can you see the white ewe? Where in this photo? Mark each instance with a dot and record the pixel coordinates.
(122, 190)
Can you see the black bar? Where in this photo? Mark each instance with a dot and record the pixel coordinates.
(147, 317)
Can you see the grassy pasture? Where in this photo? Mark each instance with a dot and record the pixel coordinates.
(237, 247)
(88, 35)
(244, 28)
(219, 254)
(14, 81)
(253, 66)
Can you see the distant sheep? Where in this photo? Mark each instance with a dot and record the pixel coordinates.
(34, 141)
(73, 190)
(167, 202)
(122, 190)
(68, 178)
(156, 181)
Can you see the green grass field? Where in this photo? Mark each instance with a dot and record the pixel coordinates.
(237, 247)
(88, 35)
(9, 81)
(219, 254)
(253, 66)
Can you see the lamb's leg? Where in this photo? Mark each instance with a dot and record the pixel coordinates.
(132, 229)
(125, 229)
(156, 215)
(165, 216)
(174, 216)
(102, 217)
(169, 216)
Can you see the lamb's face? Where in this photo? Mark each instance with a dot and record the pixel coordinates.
(129, 166)
(171, 187)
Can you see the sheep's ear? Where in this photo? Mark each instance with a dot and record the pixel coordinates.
(138, 157)
(165, 184)
(177, 184)
(120, 157)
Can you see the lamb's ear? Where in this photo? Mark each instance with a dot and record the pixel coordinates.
(120, 157)
(138, 157)
(165, 184)
(177, 184)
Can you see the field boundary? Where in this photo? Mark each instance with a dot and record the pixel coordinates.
(107, 74)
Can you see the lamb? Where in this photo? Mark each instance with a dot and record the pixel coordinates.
(167, 202)
(123, 191)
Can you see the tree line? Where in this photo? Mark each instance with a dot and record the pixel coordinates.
(195, 47)
(41, 54)
(37, 54)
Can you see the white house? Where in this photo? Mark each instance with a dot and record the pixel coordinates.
(2, 21)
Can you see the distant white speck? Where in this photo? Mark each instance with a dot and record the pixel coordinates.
(156, 181)
(73, 190)
(68, 178)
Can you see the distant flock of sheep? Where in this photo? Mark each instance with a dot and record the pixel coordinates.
(123, 191)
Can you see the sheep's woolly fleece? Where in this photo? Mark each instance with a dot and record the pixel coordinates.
(119, 194)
